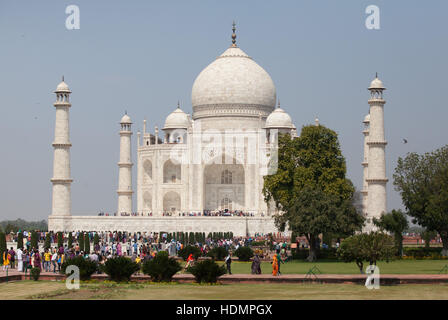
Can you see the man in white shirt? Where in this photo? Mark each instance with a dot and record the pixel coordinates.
(19, 260)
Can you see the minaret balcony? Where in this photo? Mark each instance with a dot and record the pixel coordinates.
(55, 144)
(125, 164)
(125, 192)
(377, 180)
(376, 101)
(377, 143)
(61, 180)
(62, 104)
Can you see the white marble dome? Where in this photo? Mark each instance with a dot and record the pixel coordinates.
(62, 87)
(279, 119)
(177, 120)
(233, 78)
(376, 84)
(125, 119)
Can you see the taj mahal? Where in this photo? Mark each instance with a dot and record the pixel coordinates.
(204, 172)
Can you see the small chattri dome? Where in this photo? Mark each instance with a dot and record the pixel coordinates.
(125, 119)
(367, 118)
(62, 87)
(279, 119)
(376, 84)
(177, 120)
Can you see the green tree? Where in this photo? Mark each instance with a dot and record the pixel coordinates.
(47, 243)
(86, 243)
(422, 181)
(395, 222)
(311, 168)
(96, 239)
(81, 241)
(70, 240)
(34, 241)
(60, 239)
(371, 247)
(20, 240)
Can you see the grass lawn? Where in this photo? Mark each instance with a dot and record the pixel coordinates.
(29, 289)
(332, 267)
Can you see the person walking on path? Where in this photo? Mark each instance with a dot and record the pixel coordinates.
(274, 266)
(19, 260)
(54, 260)
(6, 259)
(12, 262)
(229, 262)
(190, 260)
(279, 261)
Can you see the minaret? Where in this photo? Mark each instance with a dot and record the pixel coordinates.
(61, 202)
(125, 168)
(365, 165)
(376, 190)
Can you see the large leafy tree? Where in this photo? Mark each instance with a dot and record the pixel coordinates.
(395, 222)
(422, 181)
(310, 187)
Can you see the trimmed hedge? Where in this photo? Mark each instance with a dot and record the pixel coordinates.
(302, 253)
(207, 271)
(244, 253)
(86, 267)
(161, 267)
(218, 253)
(422, 253)
(120, 268)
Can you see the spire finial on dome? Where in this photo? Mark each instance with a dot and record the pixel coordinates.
(278, 103)
(316, 121)
(62, 78)
(178, 104)
(233, 35)
(376, 75)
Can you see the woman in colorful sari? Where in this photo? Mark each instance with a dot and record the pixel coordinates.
(274, 266)
(6, 258)
(190, 259)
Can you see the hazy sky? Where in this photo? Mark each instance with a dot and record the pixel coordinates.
(143, 56)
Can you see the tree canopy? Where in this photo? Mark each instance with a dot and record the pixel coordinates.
(422, 181)
(395, 222)
(310, 186)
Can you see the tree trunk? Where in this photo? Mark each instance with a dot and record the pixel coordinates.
(444, 236)
(312, 242)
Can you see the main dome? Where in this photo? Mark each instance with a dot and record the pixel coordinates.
(233, 80)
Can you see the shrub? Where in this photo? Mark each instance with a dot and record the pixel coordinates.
(86, 267)
(207, 271)
(218, 253)
(161, 267)
(185, 252)
(302, 254)
(258, 243)
(120, 268)
(2, 246)
(96, 239)
(244, 253)
(86, 243)
(35, 273)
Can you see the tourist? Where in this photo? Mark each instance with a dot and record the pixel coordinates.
(47, 260)
(13, 258)
(255, 268)
(274, 265)
(6, 259)
(54, 260)
(19, 260)
(36, 260)
(229, 262)
(279, 261)
(190, 260)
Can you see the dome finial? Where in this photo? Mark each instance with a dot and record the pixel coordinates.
(376, 75)
(278, 103)
(233, 35)
(62, 78)
(316, 121)
(178, 104)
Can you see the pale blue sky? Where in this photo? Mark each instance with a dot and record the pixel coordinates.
(143, 56)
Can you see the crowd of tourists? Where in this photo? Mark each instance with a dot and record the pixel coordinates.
(205, 213)
(137, 246)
